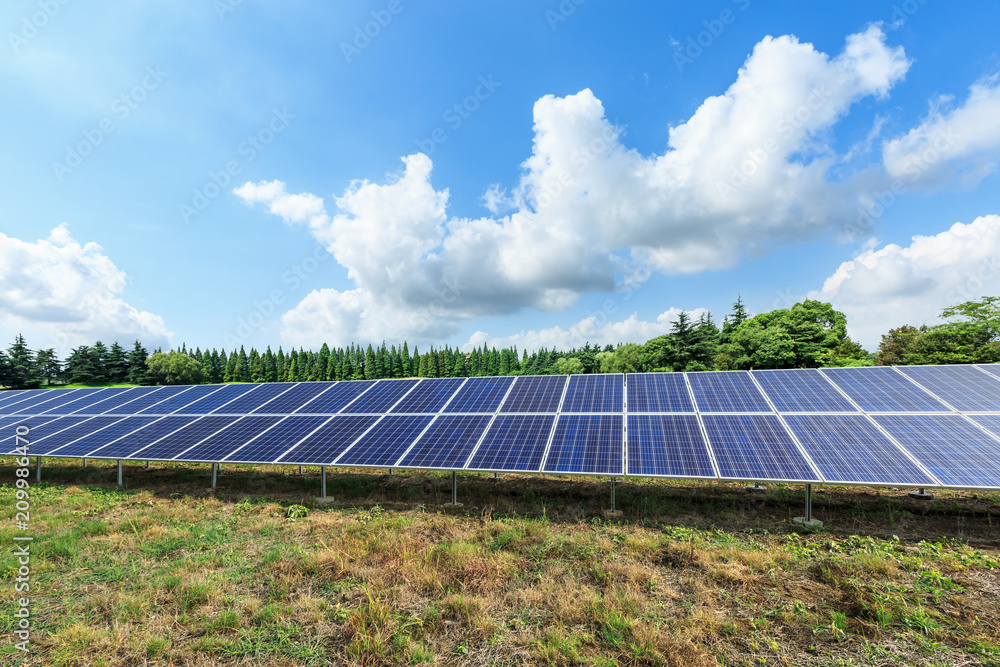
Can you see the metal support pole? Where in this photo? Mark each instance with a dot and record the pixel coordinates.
(38, 468)
(214, 473)
(119, 472)
(454, 487)
(300, 470)
(613, 481)
(322, 474)
(809, 503)
(147, 465)
(85, 463)
(390, 471)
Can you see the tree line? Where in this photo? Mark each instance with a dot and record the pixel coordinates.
(810, 334)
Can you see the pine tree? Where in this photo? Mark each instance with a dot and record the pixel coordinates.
(22, 370)
(117, 364)
(138, 371)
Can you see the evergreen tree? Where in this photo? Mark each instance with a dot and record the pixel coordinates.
(22, 370)
(49, 367)
(116, 365)
(138, 372)
(323, 363)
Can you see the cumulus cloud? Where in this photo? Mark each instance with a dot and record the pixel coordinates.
(751, 169)
(883, 288)
(62, 294)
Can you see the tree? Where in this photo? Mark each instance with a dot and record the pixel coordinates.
(49, 367)
(175, 367)
(626, 358)
(82, 368)
(22, 371)
(116, 365)
(567, 366)
(138, 371)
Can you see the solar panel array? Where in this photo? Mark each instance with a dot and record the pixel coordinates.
(919, 426)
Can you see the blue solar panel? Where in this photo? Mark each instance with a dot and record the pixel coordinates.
(86, 399)
(587, 444)
(334, 400)
(130, 402)
(731, 391)
(992, 369)
(382, 446)
(882, 389)
(802, 390)
(8, 396)
(218, 400)
(269, 446)
(295, 398)
(852, 450)
(658, 392)
(221, 444)
(965, 388)
(481, 394)
(49, 427)
(447, 443)
(381, 397)
(180, 399)
(429, 396)
(256, 400)
(756, 448)
(955, 451)
(513, 443)
(326, 444)
(594, 393)
(86, 443)
(185, 438)
(667, 446)
(49, 398)
(51, 446)
(137, 439)
(535, 393)
(142, 398)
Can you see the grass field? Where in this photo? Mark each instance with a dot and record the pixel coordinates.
(528, 571)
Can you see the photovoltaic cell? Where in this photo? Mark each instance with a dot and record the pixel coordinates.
(131, 402)
(218, 399)
(882, 389)
(85, 401)
(149, 396)
(325, 445)
(756, 448)
(136, 440)
(594, 393)
(447, 443)
(382, 446)
(989, 422)
(52, 445)
(513, 442)
(952, 449)
(228, 440)
(8, 397)
(38, 427)
(256, 400)
(852, 450)
(587, 444)
(535, 393)
(731, 391)
(992, 369)
(481, 394)
(667, 446)
(270, 445)
(181, 399)
(658, 392)
(177, 443)
(295, 398)
(41, 432)
(49, 398)
(334, 399)
(802, 390)
(381, 397)
(93, 439)
(965, 388)
(429, 396)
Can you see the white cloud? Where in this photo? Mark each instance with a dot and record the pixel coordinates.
(888, 287)
(960, 142)
(62, 294)
(750, 170)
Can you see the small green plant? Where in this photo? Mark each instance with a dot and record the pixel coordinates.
(837, 626)
(296, 512)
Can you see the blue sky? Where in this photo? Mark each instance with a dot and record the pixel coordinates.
(531, 173)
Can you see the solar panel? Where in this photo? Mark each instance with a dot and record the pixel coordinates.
(658, 392)
(326, 444)
(801, 390)
(176, 443)
(535, 393)
(218, 399)
(256, 400)
(852, 450)
(69, 429)
(381, 397)
(135, 440)
(270, 445)
(231, 438)
(38, 428)
(429, 396)
(667, 446)
(49, 427)
(731, 391)
(964, 388)
(86, 443)
(49, 398)
(8, 396)
(513, 443)
(334, 399)
(382, 446)
(882, 389)
(181, 399)
(297, 397)
(952, 449)
(586, 444)
(447, 443)
(594, 393)
(992, 369)
(85, 399)
(112, 399)
(756, 447)
(136, 399)
(480, 394)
